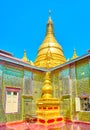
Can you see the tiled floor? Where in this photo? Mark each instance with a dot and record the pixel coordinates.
(67, 126)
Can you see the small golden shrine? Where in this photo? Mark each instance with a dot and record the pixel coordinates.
(48, 111)
(25, 59)
(74, 54)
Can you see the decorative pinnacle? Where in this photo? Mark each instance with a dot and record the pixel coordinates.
(74, 54)
(25, 52)
(47, 88)
(49, 13)
(50, 29)
(25, 57)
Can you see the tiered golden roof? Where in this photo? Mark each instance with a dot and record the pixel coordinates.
(50, 52)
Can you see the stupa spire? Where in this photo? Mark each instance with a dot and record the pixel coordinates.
(49, 28)
(25, 57)
(74, 54)
(47, 88)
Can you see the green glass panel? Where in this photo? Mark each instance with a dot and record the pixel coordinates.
(72, 72)
(13, 72)
(82, 71)
(27, 74)
(65, 72)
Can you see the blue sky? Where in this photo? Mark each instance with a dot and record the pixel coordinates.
(23, 25)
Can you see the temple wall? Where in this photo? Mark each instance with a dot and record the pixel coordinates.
(38, 80)
(27, 93)
(12, 78)
(73, 89)
(83, 88)
(54, 81)
(2, 113)
(62, 83)
(66, 93)
(82, 75)
(72, 84)
(14, 83)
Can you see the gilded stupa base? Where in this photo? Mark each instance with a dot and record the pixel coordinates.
(48, 112)
(50, 121)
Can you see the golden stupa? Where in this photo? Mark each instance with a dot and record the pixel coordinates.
(50, 52)
(48, 107)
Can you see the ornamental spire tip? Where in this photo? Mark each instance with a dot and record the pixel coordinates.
(49, 13)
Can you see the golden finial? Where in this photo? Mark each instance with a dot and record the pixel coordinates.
(49, 20)
(74, 54)
(49, 25)
(25, 57)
